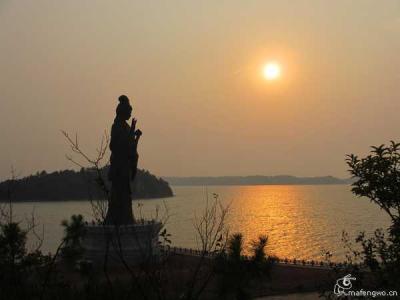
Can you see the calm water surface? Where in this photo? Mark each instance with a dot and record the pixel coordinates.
(301, 221)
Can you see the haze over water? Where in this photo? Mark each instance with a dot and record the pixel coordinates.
(301, 221)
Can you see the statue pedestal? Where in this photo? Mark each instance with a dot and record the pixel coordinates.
(131, 244)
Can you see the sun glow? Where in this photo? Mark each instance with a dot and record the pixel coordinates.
(272, 71)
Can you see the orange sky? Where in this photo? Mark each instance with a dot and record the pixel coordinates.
(193, 72)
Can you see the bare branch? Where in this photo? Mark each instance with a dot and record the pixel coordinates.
(99, 207)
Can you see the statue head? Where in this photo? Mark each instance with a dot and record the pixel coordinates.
(124, 109)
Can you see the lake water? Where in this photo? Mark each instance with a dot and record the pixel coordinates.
(301, 221)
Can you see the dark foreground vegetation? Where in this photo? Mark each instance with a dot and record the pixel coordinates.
(374, 260)
(80, 185)
(29, 274)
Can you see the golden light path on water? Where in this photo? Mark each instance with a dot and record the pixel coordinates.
(301, 221)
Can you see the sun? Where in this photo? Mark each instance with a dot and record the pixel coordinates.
(272, 71)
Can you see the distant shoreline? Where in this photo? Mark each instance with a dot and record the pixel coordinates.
(256, 180)
(260, 184)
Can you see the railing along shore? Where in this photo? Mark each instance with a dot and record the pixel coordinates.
(280, 261)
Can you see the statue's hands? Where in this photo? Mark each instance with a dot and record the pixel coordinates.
(138, 133)
(133, 125)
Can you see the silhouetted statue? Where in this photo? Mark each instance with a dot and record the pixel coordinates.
(123, 168)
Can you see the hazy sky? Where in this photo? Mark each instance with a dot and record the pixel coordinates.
(193, 72)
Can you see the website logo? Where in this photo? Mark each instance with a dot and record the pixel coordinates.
(343, 288)
(343, 284)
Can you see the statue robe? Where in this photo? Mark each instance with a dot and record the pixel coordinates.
(123, 167)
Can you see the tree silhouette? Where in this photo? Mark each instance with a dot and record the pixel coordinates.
(377, 177)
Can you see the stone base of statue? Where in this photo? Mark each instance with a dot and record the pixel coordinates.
(119, 245)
